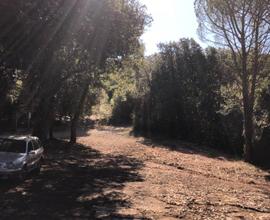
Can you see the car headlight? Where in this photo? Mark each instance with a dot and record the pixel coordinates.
(11, 165)
(8, 165)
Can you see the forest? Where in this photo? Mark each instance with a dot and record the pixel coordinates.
(60, 60)
(183, 133)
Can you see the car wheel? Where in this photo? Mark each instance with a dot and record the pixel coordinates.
(38, 168)
(42, 160)
(24, 172)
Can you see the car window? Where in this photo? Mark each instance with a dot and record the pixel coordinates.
(12, 146)
(30, 146)
(36, 144)
(39, 143)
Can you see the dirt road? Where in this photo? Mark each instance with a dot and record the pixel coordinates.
(112, 175)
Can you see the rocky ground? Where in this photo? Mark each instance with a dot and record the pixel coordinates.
(112, 175)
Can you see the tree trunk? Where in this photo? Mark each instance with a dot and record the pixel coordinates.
(249, 132)
(14, 120)
(41, 128)
(73, 130)
(149, 117)
(51, 136)
(42, 119)
(51, 118)
(248, 114)
(76, 116)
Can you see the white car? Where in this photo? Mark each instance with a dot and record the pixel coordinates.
(20, 155)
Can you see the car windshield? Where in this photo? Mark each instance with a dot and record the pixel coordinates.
(12, 146)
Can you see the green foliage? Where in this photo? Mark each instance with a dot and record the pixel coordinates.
(62, 48)
(184, 90)
(120, 87)
(181, 93)
(102, 111)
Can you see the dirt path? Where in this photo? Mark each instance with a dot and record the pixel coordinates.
(185, 183)
(114, 176)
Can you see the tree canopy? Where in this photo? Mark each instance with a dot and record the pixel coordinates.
(52, 41)
(243, 27)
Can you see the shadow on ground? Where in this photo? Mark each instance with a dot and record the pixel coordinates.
(75, 182)
(188, 148)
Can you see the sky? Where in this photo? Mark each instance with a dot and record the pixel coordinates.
(172, 20)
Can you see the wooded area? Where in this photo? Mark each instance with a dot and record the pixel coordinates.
(64, 60)
(54, 53)
(183, 133)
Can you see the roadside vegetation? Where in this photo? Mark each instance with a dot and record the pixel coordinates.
(183, 133)
(64, 60)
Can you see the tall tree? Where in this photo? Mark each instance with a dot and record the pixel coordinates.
(243, 27)
(179, 94)
(55, 39)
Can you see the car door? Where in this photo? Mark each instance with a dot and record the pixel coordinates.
(38, 152)
(30, 155)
